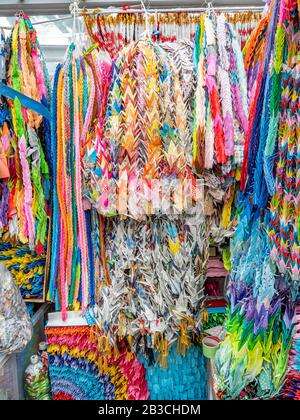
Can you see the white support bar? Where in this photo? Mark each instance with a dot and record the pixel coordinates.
(74, 319)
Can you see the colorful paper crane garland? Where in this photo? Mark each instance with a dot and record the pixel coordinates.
(141, 164)
(284, 216)
(291, 387)
(25, 178)
(75, 243)
(260, 324)
(144, 148)
(157, 273)
(146, 292)
(83, 367)
(114, 31)
(221, 106)
(133, 144)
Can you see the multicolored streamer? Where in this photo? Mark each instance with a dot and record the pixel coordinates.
(74, 108)
(83, 367)
(221, 107)
(291, 387)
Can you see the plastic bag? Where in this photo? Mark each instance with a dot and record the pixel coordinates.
(15, 323)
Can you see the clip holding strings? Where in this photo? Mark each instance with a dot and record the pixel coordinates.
(210, 9)
(74, 10)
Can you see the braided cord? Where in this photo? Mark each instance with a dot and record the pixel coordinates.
(55, 244)
(74, 208)
(61, 171)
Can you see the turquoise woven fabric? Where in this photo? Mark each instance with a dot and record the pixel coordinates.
(184, 379)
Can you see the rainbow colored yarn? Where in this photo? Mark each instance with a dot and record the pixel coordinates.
(79, 370)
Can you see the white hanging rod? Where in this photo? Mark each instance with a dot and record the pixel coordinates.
(228, 9)
(111, 10)
(61, 7)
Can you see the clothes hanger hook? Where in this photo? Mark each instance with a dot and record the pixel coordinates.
(146, 19)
